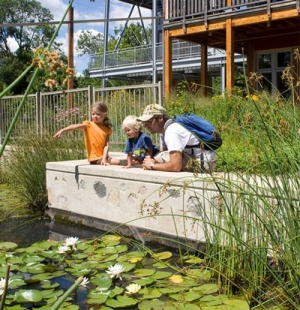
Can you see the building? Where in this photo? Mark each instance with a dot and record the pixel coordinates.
(227, 33)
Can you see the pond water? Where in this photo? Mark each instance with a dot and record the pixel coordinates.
(26, 230)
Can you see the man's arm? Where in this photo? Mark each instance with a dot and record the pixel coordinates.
(175, 163)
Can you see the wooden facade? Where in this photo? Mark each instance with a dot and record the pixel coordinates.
(235, 26)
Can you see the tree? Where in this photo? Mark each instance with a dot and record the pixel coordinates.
(89, 43)
(23, 38)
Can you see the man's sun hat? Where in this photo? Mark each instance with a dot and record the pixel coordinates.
(151, 110)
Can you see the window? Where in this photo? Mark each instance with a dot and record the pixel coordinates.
(271, 65)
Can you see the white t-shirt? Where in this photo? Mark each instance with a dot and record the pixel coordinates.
(176, 138)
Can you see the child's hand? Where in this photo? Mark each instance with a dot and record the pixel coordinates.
(126, 167)
(57, 135)
(104, 163)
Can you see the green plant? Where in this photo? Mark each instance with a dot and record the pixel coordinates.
(25, 167)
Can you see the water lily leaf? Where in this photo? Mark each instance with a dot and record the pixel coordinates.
(8, 246)
(45, 245)
(144, 281)
(46, 284)
(122, 248)
(208, 288)
(50, 254)
(152, 304)
(31, 258)
(128, 266)
(144, 272)
(132, 257)
(14, 260)
(185, 306)
(103, 282)
(194, 260)
(52, 294)
(237, 304)
(80, 256)
(111, 240)
(28, 296)
(38, 268)
(110, 258)
(186, 296)
(107, 250)
(173, 289)
(149, 293)
(16, 283)
(110, 237)
(82, 246)
(200, 274)
(160, 265)
(161, 275)
(176, 279)
(40, 277)
(121, 302)
(116, 291)
(163, 255)
(98, 299)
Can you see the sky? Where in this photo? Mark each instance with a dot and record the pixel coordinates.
(88, 10)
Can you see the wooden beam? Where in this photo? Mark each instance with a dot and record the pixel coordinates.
(229, 56)
(167, 63)
(204, 70)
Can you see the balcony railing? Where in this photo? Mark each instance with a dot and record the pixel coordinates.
(184, 10)
(143, 54)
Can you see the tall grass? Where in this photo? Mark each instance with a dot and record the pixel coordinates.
(24, 167)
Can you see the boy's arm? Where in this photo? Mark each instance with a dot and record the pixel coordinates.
(129, 160)
(69, 128)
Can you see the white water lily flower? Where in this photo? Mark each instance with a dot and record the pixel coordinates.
(71, 241)
(132, 288)
(63, 249)
(115, 271)
(84, 282)
(2, 285)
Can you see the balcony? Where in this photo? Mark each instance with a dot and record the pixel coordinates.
(138, 62)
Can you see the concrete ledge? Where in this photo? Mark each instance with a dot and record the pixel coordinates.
(172, 204)
(148, 200)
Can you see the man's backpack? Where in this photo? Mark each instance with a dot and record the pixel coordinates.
(205, 132)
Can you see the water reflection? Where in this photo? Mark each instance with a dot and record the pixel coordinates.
(27, 230)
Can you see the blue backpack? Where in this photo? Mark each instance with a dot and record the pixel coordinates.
(208, 138)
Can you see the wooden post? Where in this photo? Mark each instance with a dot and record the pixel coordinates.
(229, 56)
(204, 70)
(167, 64)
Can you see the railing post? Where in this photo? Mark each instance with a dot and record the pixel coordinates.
(37, 111)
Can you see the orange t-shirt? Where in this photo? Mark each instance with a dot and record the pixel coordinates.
(95, 137)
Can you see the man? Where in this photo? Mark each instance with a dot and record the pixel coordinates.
(177, 143)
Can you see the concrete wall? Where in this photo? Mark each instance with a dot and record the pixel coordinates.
(152, 205)
(158, 203)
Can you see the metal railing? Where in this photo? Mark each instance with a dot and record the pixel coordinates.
(143, 54)
(49, 112)
(210, 9)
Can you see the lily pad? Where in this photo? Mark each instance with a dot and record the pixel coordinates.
(151, 304)
(8, 246)
(121, 302)
(28, 296)
(144, 272)
(163, 255)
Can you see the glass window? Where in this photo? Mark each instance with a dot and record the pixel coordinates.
(283, 59)
(266, 83)
(265, 61)
(281, 86)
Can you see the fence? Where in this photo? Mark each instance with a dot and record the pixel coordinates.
(49, 112)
